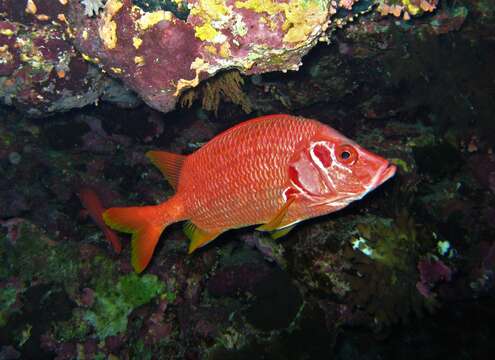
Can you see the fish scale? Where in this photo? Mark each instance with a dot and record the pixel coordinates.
(252, 183)
(275, 170)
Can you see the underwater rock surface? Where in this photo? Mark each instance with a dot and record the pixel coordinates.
(159, 49)
(407, 272)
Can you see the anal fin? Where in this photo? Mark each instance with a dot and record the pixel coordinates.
(198, 236)
(275, 223)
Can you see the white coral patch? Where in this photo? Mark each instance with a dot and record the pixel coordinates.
(92, 7)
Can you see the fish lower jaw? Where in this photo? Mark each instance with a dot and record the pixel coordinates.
(382, 175)
(341, 201)
(387, 173)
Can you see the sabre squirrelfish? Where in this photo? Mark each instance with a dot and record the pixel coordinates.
(274, 170)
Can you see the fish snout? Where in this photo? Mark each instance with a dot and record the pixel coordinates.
(385, 172)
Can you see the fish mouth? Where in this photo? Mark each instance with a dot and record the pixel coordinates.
(386, 173)
(382, 175)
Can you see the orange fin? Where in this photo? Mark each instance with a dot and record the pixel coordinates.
(274, 223)
(198, 237)
(170, 164)
(113, 238)
(143, 244)
(141, 222)
(92, 203)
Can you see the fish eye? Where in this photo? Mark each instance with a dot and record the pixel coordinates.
(346, 154)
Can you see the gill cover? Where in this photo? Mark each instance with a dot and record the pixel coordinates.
(308, 170)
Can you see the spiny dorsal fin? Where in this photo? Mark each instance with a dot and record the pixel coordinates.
(198, 237)
(274, 223)
(170, 164)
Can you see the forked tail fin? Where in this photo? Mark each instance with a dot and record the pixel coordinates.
(146, 224)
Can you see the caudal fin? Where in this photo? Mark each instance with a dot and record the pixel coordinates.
(145, 223)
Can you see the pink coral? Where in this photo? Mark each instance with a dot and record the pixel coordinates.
(431, 272)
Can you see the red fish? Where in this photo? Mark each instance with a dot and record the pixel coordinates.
(92, 203)
(274, 170)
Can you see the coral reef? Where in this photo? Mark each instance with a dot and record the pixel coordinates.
(114, 302)
(157, 49)
(432, 272)
(125, 41)
(406, 8)
(92, 7)
(41, 72)
(32, 259)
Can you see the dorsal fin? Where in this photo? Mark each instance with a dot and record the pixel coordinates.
(170, 164)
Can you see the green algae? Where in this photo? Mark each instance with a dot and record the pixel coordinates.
(73, 329)
(386, 287)
(141, 351)
(114, 304)
(6, 138)
(35, 257)
(392, 242)
(8, 297)
(115, 297)
(486, 8)
(401, 164)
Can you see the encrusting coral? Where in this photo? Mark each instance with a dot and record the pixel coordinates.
(250, 36)
(406, 8)
(159, 49)
(92, 7)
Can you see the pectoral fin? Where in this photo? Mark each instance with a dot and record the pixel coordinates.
(198, 237)
(281, 232)
(275, 223)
